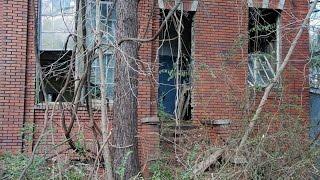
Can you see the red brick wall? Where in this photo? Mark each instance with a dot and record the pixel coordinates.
(13, 72)
(147, 93)
(221, 65)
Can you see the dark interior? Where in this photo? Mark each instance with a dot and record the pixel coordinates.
(262, 30)
(54, 65)
(167, 60)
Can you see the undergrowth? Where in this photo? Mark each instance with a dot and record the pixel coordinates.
(11, 167)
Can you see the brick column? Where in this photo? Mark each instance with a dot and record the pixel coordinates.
(13, 15)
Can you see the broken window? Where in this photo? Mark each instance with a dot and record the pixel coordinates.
(56, 24)
(168, 55)
(264, 46)
(54, 65)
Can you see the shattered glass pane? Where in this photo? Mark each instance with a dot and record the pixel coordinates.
(262, 68)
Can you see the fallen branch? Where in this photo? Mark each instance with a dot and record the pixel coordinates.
(207, 162)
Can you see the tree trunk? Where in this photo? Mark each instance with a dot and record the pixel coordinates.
(125, 159)
(104, 116)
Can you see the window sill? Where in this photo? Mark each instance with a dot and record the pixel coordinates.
(50, 105)
(96, 104)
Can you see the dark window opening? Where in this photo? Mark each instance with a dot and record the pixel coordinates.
(168, 54)
(55, 66)
(263, 30)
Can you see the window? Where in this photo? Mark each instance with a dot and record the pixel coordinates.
(109, 74)
(264, 46)
(55, 64)
(57, 22)
(168, 56)
(108, 23)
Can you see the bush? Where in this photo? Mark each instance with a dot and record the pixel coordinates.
(160, 170)
(13, 165)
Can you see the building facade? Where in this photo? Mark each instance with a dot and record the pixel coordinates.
(229, 51)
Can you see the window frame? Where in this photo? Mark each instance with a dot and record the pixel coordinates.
(55, 32)
(108, 52)
(251, 75)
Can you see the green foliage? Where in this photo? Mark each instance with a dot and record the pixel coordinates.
(263, 28)
(191, 158)
(315, 61)
(14, 164)
(163, 116)
(75, 173)
(172, 73)
(27, 131)
(160, 171)
(80, 144)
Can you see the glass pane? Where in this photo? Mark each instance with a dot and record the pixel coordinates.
(104, 11)
(112, 11)
(59, 40)
(104, 26)
(110, 75)
(46, 6)
(68, 6)
(56, 8)
(69, 22)
(63, 24)
(110, 60)
(90, 40)
(111, 30)
(62, 6)
(46, 41)
(59, 24)
(95, 91)
(110, 91)
(70, 43)
(46, 23)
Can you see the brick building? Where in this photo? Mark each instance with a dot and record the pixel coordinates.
(227, 56)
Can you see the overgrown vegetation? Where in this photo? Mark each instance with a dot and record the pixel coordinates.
(11, 167)
(280, 148)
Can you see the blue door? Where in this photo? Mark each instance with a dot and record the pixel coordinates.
(167, 90)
